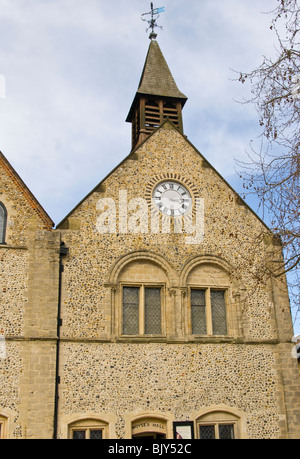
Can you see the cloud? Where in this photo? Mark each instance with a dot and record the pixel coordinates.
(71, 69)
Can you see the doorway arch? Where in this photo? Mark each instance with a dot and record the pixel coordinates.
(148, 425)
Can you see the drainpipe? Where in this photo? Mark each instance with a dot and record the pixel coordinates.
(63, 252)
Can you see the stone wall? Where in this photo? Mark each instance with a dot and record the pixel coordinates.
(29, 273)
(115, 379)
(173, 379)
(176, 374)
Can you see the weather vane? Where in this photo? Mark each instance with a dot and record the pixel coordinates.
(152, 22)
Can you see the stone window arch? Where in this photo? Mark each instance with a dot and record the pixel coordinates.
(220, 422)
(141, 302)
(88, 429)
(211, 306)
(3, 222)
(142, 299)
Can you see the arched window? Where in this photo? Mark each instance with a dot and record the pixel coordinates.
(218, 425)
(3, 217)
(88, 429)
(208, 300)
(142, 296)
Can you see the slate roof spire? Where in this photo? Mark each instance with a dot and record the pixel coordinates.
(157, 78)
(157, 97)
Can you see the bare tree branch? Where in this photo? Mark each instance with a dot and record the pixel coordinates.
(272, 172)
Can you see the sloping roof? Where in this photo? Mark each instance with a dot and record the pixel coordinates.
(157, 79)
(33, 202)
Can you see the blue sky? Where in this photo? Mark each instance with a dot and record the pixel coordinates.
(72, 67)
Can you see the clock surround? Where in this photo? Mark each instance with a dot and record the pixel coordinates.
(172, 198)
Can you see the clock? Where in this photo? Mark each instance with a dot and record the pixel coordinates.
(172, 198)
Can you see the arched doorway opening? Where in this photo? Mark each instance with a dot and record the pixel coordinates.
(149, 428)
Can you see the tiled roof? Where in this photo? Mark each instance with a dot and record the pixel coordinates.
(156, 77)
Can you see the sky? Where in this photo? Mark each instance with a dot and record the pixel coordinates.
(69, 70)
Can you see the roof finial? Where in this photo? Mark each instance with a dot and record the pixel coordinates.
(152, 22)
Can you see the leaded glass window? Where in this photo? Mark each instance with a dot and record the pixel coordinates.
(87, 434)
(88, 429)
(208, 312)
(79, 434)
(96, 434)
(2, 223)
(226, 431)
(207, 432)
(216, 431)
(152, 311)
(198, 312)
(142, 311)
(131, 310)
(218, 310)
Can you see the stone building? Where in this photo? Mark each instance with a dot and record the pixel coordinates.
(151, 309)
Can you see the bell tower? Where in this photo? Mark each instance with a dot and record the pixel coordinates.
(157, 97)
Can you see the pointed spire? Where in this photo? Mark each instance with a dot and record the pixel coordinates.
(156, 78)
(157, 97)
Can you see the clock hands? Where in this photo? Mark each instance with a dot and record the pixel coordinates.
(176, 200)
(172, 198)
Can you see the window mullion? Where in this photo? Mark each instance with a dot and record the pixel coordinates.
(142, 310)
(208, 312)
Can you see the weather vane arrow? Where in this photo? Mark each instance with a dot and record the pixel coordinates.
(155, 12)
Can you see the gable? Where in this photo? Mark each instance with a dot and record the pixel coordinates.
(162, 155)
(21, 205)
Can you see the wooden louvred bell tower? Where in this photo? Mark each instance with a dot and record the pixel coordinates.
(157, 98)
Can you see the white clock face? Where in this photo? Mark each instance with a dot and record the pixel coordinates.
(172, 198)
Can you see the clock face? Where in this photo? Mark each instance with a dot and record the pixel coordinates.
(172, 198)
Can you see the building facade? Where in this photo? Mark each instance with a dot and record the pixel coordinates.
(151, 309)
